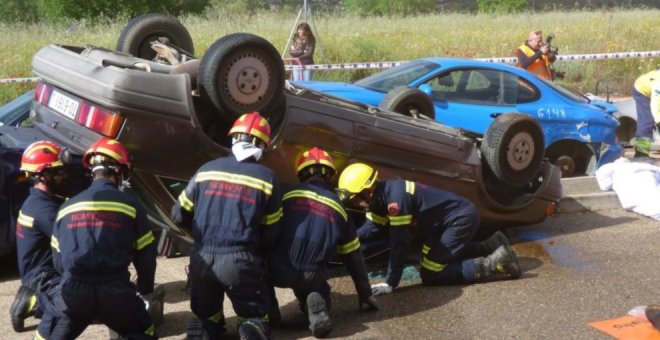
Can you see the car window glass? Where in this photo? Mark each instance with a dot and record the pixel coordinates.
(526, 91)
(173, 186)
(401, 75)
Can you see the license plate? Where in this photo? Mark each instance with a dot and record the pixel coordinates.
(63, 104)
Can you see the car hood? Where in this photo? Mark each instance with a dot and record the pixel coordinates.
(344, 90)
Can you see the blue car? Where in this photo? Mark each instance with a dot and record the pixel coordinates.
(580, 134)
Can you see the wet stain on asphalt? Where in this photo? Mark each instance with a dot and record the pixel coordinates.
(544, 247)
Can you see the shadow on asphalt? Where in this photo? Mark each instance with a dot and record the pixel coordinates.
(348, 321)
(176, 292)
(9, 267)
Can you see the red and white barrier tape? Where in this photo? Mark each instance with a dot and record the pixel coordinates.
(388, 64)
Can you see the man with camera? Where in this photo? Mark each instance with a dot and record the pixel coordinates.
(537, 57)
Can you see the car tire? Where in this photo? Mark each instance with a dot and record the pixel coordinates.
(513, 148)
(241, 73)
(409, 101)
(138, 34)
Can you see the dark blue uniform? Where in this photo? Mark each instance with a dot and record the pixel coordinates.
(315, 229)
(234, 210)
(98, 233)
(35, 261)
(443, 221)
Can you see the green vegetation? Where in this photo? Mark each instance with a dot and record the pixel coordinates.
(359, 39)
(389, 7)
(501, 6)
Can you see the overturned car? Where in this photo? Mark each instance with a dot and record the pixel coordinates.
(173, 117)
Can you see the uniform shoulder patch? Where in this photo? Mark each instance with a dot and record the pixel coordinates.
(393, 209)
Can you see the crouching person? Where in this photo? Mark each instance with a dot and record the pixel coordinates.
(233, 206)
(46, 174)
(443, 221)
(316, 228)
(97, 234)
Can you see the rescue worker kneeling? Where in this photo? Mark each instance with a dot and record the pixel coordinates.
(233, 206)
(443, 221)
(46, 174)
(97, 234)
(316, 228)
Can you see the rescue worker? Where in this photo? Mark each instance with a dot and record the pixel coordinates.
(534, 56)
(643, 92)
(443, 221)
(47, 177)
(233, 206)
(315, 229)
(97, 234)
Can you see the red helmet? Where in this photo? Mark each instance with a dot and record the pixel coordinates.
(315, 156)
(41, 155)
(252, 124)
(109, 148)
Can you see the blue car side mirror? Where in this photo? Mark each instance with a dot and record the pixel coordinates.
(426, 88)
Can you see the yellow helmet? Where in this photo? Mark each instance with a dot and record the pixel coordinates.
(357, 177)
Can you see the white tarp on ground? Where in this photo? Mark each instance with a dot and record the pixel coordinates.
(637, 185)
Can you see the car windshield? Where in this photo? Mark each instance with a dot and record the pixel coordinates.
(564, 92)
(401, 75)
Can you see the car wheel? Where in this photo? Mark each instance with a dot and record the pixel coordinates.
(240, 73)
(566, 164)
(513, 148)
(409, 101)
(137, 36)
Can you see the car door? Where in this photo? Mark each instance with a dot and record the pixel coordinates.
(470, 98)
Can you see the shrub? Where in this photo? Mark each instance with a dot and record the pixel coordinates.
(389, 7)
(18, 10)
(501, 6)
(55, 10)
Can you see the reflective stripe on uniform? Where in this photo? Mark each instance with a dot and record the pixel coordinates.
(274, 217)
(38, 336)
(151, 331)
(54, 243)
(185, 202)
(349, 247)
(432, 266)
(425, 249)
(119, 207)
(319, 198)
(145, 240)
(410, 187)
(242, 319)
(248, 181)
(25, 220)
(217, 317)
(376, 218)
(397, 221)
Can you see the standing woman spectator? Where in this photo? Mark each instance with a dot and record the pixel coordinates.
(302, 47)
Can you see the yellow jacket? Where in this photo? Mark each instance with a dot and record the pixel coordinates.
(643, 84)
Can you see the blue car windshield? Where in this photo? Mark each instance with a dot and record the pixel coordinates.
(564, 92)
(401, 75)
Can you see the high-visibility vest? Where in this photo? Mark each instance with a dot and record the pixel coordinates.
(541, 66)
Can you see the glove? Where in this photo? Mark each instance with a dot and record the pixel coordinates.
(369, 303)
(381, 288)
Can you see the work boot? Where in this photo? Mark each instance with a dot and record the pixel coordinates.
(319, 318)
(252, 329)
(495, 241)
(501, 264)
(22, 307)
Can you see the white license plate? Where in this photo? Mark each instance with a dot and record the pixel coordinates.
(63, 104)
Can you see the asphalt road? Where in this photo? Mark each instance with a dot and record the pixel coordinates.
(577, 268)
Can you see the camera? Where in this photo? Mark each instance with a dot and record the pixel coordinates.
(548, 42)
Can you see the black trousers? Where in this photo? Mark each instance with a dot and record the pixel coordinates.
(79, 301)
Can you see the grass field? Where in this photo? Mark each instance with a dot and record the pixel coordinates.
(350, 39)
